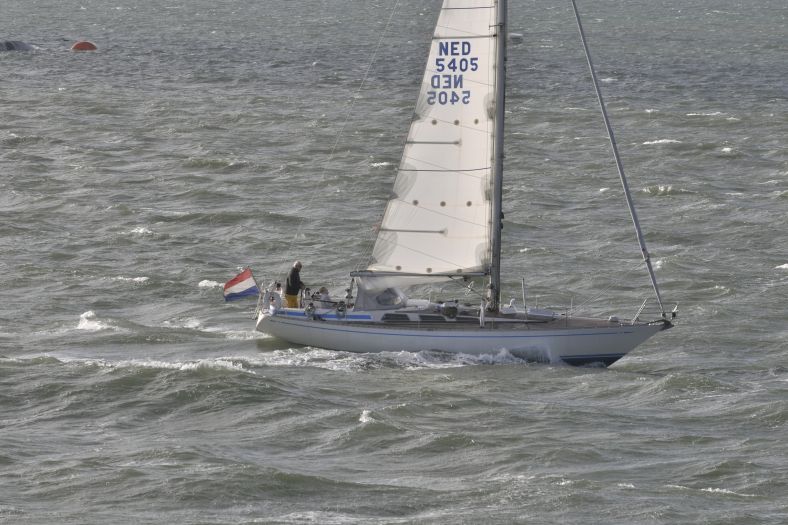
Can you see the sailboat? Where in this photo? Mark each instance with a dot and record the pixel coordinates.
(443, 224)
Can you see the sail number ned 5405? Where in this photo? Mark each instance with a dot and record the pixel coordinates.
(453, 60)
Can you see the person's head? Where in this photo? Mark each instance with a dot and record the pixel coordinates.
(297, 265)
(323, 290)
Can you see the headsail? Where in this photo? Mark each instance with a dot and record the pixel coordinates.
(438, 218)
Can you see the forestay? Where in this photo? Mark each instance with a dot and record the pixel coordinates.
(438, 218)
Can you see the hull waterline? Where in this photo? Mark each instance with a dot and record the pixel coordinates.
(574, 346)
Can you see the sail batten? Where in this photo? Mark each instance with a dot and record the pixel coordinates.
(438, 218)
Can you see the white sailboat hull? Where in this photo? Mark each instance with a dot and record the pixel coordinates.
(575, 346)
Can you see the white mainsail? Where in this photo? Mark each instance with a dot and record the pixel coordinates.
(438, 219)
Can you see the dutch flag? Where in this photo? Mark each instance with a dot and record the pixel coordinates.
(242, 285)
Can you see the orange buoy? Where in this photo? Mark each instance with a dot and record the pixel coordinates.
(84, 45)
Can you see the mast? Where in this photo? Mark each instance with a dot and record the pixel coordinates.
(619, 164)
(497, 186)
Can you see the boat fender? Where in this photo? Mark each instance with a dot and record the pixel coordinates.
(341, 309)
(309, 311)
(273, 300)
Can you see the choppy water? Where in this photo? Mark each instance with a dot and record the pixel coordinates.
(206, 136)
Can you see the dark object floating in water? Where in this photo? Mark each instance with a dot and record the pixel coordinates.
(84, 45)
(14, 45)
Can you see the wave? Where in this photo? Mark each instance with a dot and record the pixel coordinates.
(139, 230)
(711, 114)
(19, 140)
(366, 417)
(664, 190)
(661, 141)
(348, 361)
(89, 322)
(679, 385)
(713, 490)
(215, 363)
(129, 279)
(225, 165)
(231, 334)
(180, 329)
(435, 359)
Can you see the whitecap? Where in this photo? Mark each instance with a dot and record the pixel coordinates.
(380, 164)
(626, 485)
(662, 190)
(726, 150)
(713, 114)
(609, 79)
(661, 141)
(233, 335)
(206, 283)
(365, 417)
(603, 190)
(726, 491)
(220, 363)
(316, 357)
(430, 359)
(652, 111)
(88, 321)
(782, 267)
(245, 335)
(140, 230)
(130, 279)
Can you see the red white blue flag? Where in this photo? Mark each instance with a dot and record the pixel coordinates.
(242, 285)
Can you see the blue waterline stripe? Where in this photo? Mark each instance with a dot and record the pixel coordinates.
(359, 317)
(461, 336)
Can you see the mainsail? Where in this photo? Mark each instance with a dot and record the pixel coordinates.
(438, 218)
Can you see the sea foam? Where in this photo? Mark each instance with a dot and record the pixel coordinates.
(89, 322)
(661, 141)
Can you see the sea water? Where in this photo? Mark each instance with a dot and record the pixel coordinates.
(202, 137)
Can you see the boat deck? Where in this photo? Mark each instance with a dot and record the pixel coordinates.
(428, 320)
